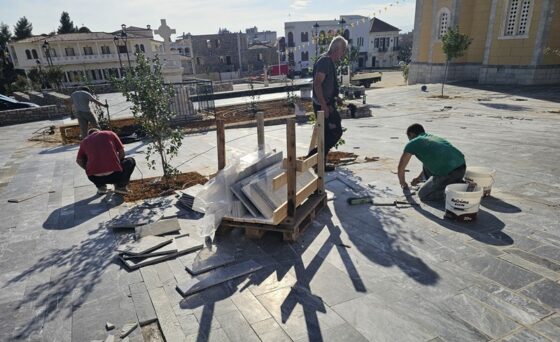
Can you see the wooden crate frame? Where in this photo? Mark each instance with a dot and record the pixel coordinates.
(300, 207)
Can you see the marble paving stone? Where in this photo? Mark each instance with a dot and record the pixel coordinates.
(144, 245)
(142, 304)
(206, 260)
(135, 216)
(548, 252)
(127, 329)
(519, 261)
(555, 320)
(249, 306)
(545, 292)
(299, 312)
(168, 322)
(218, 276)
(158, 228)
(531, 307)
(525, 335)
(475, 313)
(185, 245)
(170, 248)
(343, 333)
(247, 172)
(269, 279)
(500, 271)
(269, 330)
(189, 324)
(377, 321)
(519, 314)
(548, 329)
(236, 327)
(535, 259)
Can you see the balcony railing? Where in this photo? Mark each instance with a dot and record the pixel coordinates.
(383, 49)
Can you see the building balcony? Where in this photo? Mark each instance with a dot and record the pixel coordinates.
(111, 57)
(383, 49)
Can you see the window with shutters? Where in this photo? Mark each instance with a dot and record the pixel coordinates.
(518, 18)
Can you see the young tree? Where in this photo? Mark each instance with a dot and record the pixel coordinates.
(143, 85)
(454, 45)
(66, 25)
(5, 36)
(22, 29)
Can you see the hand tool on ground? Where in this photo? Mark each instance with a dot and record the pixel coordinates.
(18, 200)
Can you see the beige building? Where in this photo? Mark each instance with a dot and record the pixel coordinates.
(509, 41)
(93, 56)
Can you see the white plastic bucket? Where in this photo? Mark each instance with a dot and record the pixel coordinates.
(461, 205)
(482, 176)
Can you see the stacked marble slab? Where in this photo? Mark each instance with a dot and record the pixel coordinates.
(256, 193)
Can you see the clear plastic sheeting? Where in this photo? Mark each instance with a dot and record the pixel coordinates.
(215, 199)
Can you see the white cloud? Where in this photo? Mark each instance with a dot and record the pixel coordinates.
(299, 4)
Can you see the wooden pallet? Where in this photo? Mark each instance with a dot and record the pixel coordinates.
(291, 231)
(300, 207)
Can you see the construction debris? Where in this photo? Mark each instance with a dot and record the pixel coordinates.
(109, 326)
(205, 260)
(144, 245)
(127, 329)
(28, 197)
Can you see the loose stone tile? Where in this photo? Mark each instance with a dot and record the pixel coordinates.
(519, 261)
(342, 333)
(109, 325)
(475, 313)
(546, 292)
(525, 335)
(127, 329)
(189, 324)
(268, 280)
(158, 228)
(500, 271)
(170, 248)
(269, 330)
(217, 277)
(549, 252)
(206, 260)
(142, 304)
(144, 245)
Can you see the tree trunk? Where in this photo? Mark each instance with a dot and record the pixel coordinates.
(444, 77)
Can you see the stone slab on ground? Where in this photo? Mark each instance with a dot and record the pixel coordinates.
(161, 227)
(133, 217)
(170, 248)
(206, 260)
(144, 245)
(142, 304)
(217, 276)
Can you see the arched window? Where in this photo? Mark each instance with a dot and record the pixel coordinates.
(291, 39)
(136, 48)
(34, 52)
(291, 59)
(28, 54)
(443, 23)
(304, 37)
(304, 56)
(142, 48)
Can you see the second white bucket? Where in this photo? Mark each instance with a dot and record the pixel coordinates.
(461, 205)
(482, 176)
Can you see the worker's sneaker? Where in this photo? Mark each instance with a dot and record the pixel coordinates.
(102, 190)
(122, 190)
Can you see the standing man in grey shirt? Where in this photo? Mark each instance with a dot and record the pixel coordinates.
(81, 99)
(325, 93)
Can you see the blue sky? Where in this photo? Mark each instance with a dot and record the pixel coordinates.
(199, 16)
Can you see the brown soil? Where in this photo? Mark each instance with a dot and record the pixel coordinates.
(335, 157)
(154, 187)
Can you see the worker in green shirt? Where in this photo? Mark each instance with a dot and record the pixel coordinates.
(443, 164)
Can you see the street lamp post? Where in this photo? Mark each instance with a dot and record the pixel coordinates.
(124, 37)
(41, 74)
(316, 27)
(116, 42)
(341, 22)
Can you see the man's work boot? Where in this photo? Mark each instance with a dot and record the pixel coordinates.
(121, 190)
(102, 190)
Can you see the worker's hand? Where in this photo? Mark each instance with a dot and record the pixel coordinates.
(415, 181)
(404, 186)
(106, 105)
